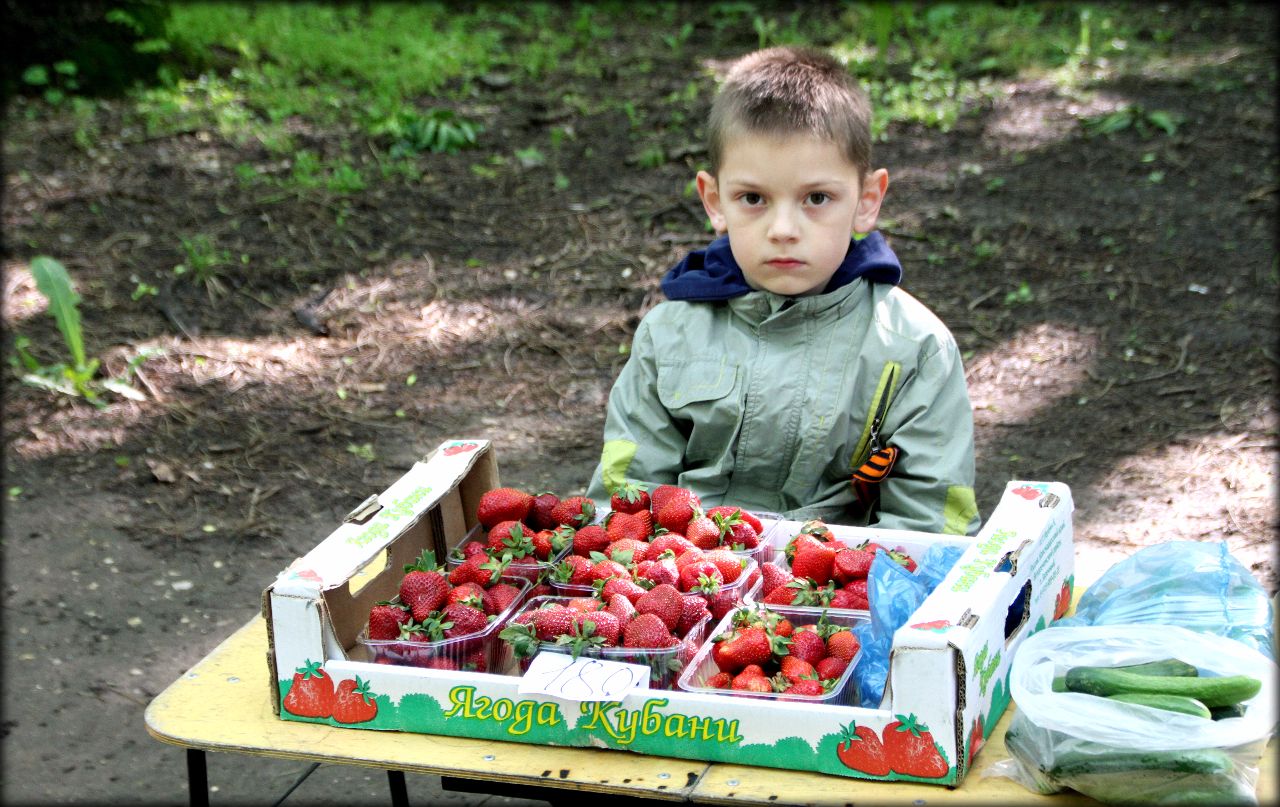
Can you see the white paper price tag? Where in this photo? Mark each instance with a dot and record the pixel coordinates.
(582, 679)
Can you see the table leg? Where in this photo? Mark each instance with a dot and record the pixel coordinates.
(399, 790)
(197, 778)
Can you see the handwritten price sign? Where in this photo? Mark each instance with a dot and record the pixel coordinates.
(582, 679)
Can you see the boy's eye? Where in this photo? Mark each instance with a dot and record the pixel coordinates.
(752, 198)
(818, 198)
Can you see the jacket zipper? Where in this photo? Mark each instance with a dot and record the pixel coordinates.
(869, 443)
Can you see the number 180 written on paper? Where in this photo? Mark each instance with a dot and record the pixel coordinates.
(582, 679)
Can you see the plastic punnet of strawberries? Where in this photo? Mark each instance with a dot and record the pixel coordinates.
(785, 655)
(819, 569)
(441, 619)
(530, 531)
(659, 627)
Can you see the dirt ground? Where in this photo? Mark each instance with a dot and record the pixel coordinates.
(1116, 296)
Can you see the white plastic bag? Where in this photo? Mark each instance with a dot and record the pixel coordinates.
(1052, 732)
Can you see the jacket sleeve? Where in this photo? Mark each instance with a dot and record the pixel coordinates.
(931, 423)
(641, 441)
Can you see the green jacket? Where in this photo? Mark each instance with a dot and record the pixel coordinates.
(767, 402)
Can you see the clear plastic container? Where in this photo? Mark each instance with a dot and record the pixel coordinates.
(703, 665)
(719, 604)
(475, 651)
(665, 663)
(533, 572)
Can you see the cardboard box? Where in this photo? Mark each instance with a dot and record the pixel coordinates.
(948, 672)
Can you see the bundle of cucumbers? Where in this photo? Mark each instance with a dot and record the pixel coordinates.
(1122, 776)
(1168, 684)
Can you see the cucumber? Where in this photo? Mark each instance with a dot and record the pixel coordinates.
(1221, 691)
(1224, 712)
(1167, 666)
(1170, 703)
(1205, 760)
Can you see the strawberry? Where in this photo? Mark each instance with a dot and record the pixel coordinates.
(671, 542)
(385, 620)
(662, 570)
(850, 564)
(604, 568)
(676, 514)
(662, 494)
(606, 625)
(549, 543)
(424, 592)
(540, 513)
(721, 680)
(576, 511)
(729, 564)
(620, 585)
(628, 551)
(552, 621)
(702, 576)
(843, 644)
(750, 645)
(478, 569)
(694, 610)
(746, 682)
(805, 686)
(621, 607)
(663, 600)
(629, 498)
(469, 593)
(648, 631)
(793, 668)
(311, 694)
(620, 526)
(808, 645)
(510, 536)
(702, 532)
(848, 598)
(473, 548)
(590, 539)
(498, 597)
(814, 562)
(771, 576)
(831, 667)
(575, 570)
(503, 504)
(353, 703)
(782, 595)
(583, 604)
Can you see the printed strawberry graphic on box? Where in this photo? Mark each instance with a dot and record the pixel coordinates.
(976, 740)
(936, 625)
(353, 702)
(911, 750)
(459, 448)
(311, 694)
(862, 750)
(1028, 493)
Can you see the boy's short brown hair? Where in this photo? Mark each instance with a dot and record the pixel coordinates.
(791, 90)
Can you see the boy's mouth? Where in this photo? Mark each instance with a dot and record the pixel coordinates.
(785, 263)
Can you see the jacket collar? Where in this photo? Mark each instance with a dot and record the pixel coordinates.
(712, 274)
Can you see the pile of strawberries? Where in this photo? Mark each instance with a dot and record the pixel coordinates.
(435, 604)
(821, 570)
(657, 619)
(764, 652)
(638, 514)
(524, 530)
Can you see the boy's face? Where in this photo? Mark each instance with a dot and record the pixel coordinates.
(790, 205)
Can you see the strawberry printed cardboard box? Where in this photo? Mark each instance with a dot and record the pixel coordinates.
(948, 670)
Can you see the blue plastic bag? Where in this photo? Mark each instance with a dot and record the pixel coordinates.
(1195, 585)
(895, 594)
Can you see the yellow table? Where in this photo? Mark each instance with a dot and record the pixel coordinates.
(221, 704)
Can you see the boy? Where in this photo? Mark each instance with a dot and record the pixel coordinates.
(787, 372)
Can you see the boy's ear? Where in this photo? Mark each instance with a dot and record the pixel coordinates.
(709, 192)
(871, 197)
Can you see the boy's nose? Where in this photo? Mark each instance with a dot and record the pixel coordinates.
(783, 225)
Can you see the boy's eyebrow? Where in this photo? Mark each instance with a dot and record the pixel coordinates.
(751, 182)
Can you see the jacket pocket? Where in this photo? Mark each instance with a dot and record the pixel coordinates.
(683, 383)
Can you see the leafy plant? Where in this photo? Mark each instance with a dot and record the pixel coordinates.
(79, 377)
(438, 130)
(58, 84)
(1145, 122)
(204, 260)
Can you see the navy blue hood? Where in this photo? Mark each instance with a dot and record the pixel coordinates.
(712, 273)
